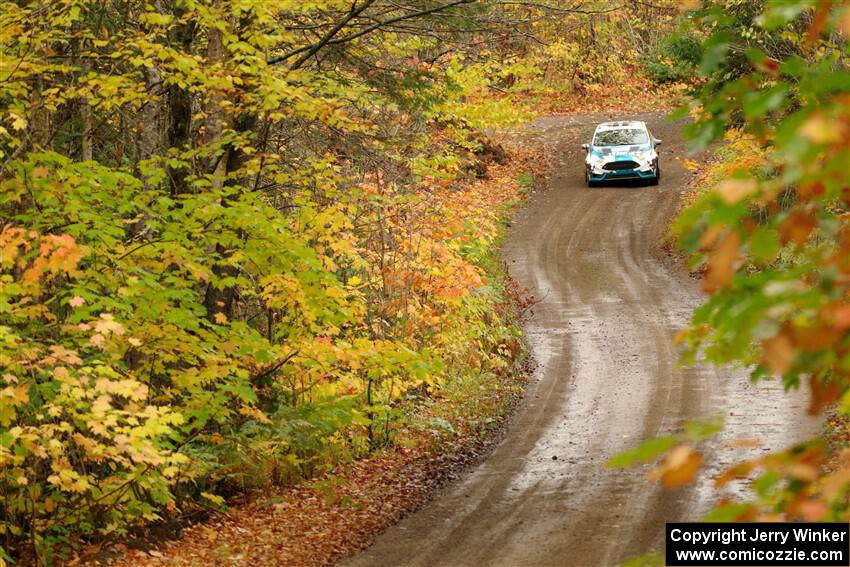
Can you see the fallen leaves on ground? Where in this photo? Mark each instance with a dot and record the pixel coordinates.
(638, 95)
(308, 525)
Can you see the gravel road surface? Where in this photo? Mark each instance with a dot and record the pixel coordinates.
(606, 377)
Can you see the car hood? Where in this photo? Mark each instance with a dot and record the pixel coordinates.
(616, 153)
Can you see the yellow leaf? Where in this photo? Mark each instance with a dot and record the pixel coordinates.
(18, 121)
(249, 411)
(107, 324)
(819, 130)
(690, 165)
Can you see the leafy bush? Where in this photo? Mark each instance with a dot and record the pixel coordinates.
(676, 59)
(83, 448)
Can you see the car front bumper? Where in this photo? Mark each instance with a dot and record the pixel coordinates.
(627, 174)
(646, 170)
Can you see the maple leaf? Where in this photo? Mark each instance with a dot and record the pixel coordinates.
(65, 355)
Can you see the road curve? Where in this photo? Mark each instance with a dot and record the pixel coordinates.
(606, 378)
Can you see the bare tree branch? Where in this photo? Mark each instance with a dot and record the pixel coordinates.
(309, 51)
(329, 39)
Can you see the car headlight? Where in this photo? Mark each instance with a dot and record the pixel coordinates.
(644, 156)
(594, 159)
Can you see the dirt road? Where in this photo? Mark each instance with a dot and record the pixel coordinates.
(607, 377)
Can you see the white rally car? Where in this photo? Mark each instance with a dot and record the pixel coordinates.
(622, 150)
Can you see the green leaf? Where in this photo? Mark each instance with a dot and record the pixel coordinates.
(701, 430)
(645, 452)
(764, 244)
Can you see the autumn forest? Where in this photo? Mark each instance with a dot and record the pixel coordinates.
(251, 254)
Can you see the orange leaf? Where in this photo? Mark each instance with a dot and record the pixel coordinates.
(721, 263)
(814, 510)
(740, 470)
(819, 21)
(21, 393)
(806, 190)
(679, 467)
(823, 394)
(778, 353)
(806, 472)
(797, 227)
(836, 483)
(838, 314)
(708, 238)
(817, 337)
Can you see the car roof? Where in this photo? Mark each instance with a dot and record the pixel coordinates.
(621, 125)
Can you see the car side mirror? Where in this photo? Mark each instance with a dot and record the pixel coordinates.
(585, 147)
(657, 142)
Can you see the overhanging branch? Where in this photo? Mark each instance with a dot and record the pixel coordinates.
(308, 51)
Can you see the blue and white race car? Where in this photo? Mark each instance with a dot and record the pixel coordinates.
(622, 150)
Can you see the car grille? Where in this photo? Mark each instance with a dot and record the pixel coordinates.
(620, 165)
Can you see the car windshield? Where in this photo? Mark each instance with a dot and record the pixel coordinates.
(625, 137)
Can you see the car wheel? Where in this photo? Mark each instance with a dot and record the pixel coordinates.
(655, 180)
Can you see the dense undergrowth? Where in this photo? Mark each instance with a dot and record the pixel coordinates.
(440, 430)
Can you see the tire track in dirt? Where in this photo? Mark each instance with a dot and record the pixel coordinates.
(606, 378)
